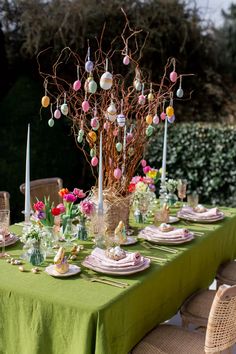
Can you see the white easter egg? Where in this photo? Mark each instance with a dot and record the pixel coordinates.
(106, 81)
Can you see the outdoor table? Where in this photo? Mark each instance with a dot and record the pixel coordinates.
(42, 314)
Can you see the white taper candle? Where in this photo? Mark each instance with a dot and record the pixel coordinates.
(163, 174)
(27, 178)
(100, 179)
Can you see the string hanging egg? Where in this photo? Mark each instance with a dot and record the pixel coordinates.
(149, 130)
(106, 79)
(171, 119)
(94, 161)
(119, 147)
(163, 115)
(57, 112)
(137, 80)
(129, 137)
(111, 112)
(121, 117)
(92, 86)
(77, 83)
(51, 122)
(150, 95)
(180, 91)
(88, 63)
(64, 107)
(85, 105)
(80, 136)
(126, 60)
(156, 119)
(149, 119)
(117, 173)
(143, 163)
(92, 152)
(92, 136)
(45, 101)
(173, 74)
(142, 98)
(169, 111)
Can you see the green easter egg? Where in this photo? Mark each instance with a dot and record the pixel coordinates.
(119, 147)
(81, 132)
(51, 122)
(80, 138)
(149, 130)
(92, 152)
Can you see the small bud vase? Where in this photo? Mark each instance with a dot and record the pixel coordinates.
(81, 227)
(36, 254)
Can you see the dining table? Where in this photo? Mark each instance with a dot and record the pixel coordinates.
(42, 314)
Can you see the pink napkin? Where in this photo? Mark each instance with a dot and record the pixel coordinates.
(154, 231)
(131, 259)
(206, 214)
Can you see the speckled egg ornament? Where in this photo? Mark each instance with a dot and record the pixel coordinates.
(94, 123)
(169, 111)
(94, 161)
(77, 85)
(117, 173)
(64, 109)
(149, 130)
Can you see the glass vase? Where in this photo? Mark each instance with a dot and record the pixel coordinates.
(36, 254)
(82, 231)
(69, 231)
(49, 239)
(171, 198)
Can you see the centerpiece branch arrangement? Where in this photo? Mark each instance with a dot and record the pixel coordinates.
(100, 102)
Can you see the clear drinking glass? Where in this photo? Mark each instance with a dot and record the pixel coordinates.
(182, 188)
(193, 199)
(4, 229)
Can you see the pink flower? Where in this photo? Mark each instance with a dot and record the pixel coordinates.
(61, 207)
(148, 180)
(70, 198)
(87, 207)
(136, 179)
(146, 169)
(39, 206)
(79, 193)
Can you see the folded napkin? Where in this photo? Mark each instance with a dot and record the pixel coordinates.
(131, 259)
(155, 232)
(213, 212)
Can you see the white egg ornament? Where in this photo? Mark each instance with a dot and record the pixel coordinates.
(126, 60)
(137, 85)
(80, 136)
(117, 173)
(121, 120)
(51, 122)
(119, 147)
(106, 80)
(180, 92)
(156, 119)
(171, 119)
(64, 109)
(111, 112)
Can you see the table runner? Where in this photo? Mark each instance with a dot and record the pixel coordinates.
(40, 314)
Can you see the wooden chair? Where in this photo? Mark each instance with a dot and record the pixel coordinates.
(44, 187)
(220, 332)
(4, 200)
(226, 274)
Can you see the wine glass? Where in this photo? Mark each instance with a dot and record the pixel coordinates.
(182, 187)
(4, 230)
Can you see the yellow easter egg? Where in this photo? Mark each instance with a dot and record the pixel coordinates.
(169, 111)
(150, 97)
(149, 119)
(45, 101)
(92, 136)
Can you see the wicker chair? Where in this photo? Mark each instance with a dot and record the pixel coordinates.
(4, 200)
(220, 333)
(226, 274)
(44, 187)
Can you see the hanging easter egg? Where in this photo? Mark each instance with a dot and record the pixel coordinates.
(111, 112)
(121, 120)
(76, 85)
(150, 97)
(85, 106)
(57, 114)
(92, 153)
(81, 132)
(149, 130)
(180, 92)
(106, 125)
(137, 85)
(131, 151)
(149, 119)
(80, 138)
(106, 81)
(94, 161)
(92, 86)
(89, 66)
(156, 119)
(141, 99)
(117, 173)
(163, 116)
(115, 132)
(92, 136)
(173, 76)
(143, 163)
(129, 137)
(119, 147)
(94, 122)
(51, 122)
(45, 101)
(171, 119)
(64, 109)
(126, 60)
(169, 111)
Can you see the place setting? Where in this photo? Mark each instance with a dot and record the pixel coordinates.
(200, 214)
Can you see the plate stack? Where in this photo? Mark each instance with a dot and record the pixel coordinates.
(133, 262)
(200, 214)
(174, 236)
(10, 239)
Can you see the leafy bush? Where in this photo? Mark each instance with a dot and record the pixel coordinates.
(203, 154)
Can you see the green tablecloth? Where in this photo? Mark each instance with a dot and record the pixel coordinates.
(42, 314)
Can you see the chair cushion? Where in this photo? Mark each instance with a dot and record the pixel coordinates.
(168, 339)
(227, 273)
(196, 309)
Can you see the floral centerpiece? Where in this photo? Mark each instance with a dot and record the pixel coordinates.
(171, 185)
(45, 212)
(32, 238)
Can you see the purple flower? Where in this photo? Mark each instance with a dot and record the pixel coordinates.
(41, 215)
(152, 187)
(70, 198)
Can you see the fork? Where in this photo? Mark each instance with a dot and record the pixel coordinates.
(161, 248)
(105, 281)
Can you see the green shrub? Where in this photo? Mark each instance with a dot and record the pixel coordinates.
(203, 154)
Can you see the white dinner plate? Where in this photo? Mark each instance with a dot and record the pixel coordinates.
(172, 220)
(127, 271)
(11, 240)
(130, 241)
(170, 242)
(201, 221)
(73, 269)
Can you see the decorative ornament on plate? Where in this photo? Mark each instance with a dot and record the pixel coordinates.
(77, 83)
(106, 79)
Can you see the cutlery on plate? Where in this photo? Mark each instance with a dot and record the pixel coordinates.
(104, 281)
(161, 248)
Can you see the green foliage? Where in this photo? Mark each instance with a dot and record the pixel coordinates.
(203, 154)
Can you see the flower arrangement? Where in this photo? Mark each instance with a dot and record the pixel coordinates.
(171, 185)
(143, 184)
(45, 212)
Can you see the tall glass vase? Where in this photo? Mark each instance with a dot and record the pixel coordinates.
(82, 231)
(69, 231)
(36, 253)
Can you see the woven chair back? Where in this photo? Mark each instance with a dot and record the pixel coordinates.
(221, 326)
(46, 187)
(4, 200)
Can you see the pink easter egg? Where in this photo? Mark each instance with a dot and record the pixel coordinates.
(85, 106)
(117, 173)
(94, 122)
(126, 60)
(146, 169)
(156, 119)
(106, 125)
(143, 163)
(115, 132)
(141, 99)
(94, 161)
(163, 116)
(77, 85)
(57, 114)
(129, 137)
(173, 76)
